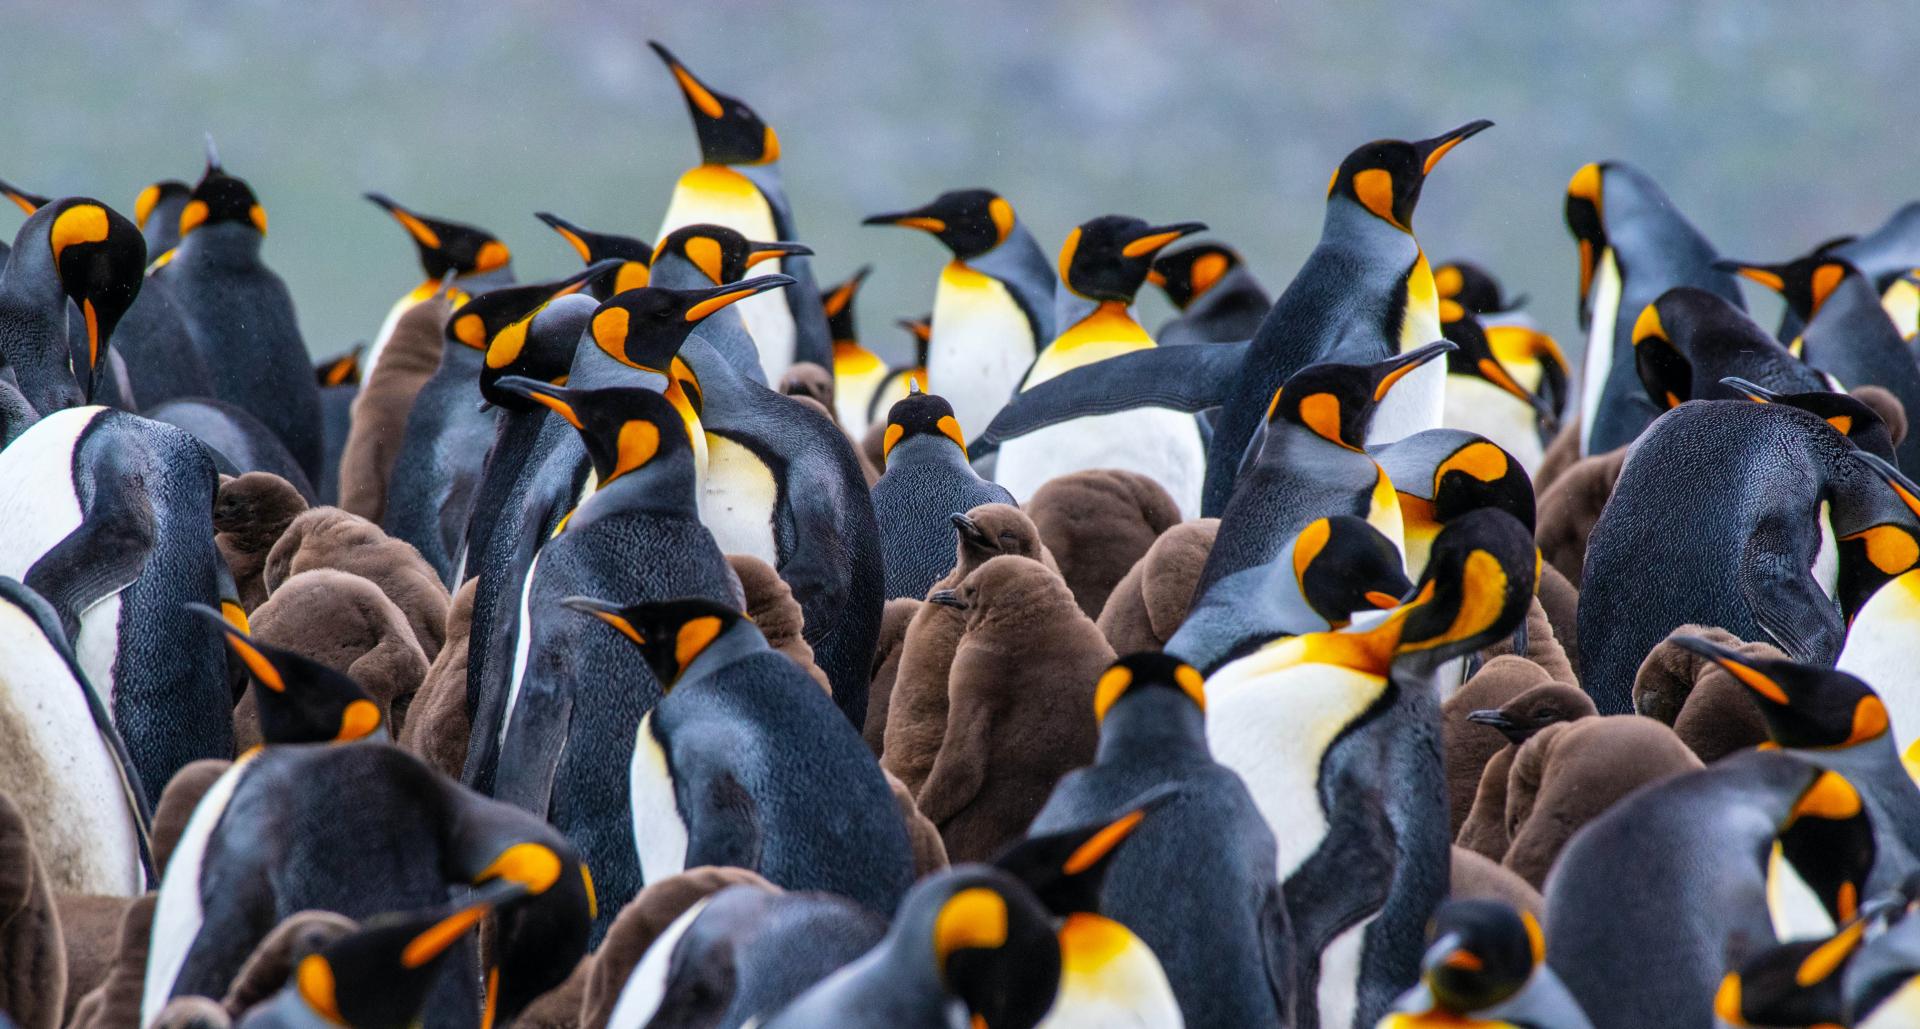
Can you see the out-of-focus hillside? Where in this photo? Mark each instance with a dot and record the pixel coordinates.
(1773, 125)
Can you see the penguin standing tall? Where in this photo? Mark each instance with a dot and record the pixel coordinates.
(1215, 292)
(993, 308)
(1337, 737)
(857, 371)
(240, 313)
(75, 265)
(115, 530)
(926, 483)
(737, 761)
(1102, 265)
(905, 378)
(474, 258)
(737, 184)
(1634, 245)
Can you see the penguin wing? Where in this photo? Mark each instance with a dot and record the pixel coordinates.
(960, 768)
(1349, 876)
(107, 551)
(1787, 602)
(723, 823)
(1276, 946)
(530, 756)
(1189, 378)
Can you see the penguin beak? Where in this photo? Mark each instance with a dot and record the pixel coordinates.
(921, 218)
(421, 232)
(27, 202)
(1430, 151)
(1754, 391)
(1491, 718)
(711, 300)
(1736, 666)
(969, 530)
(1766, 275)
(1394, 369)
(1147, 243)
(1903, 487)
(699, 97)
(573, 234)
(758, 252)
(546, 394)
(947, 598)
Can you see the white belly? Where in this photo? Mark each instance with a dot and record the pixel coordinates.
(1162, 444)
(646, 987)
(1478, 406)
(738, 499)
(56, 767)
(1337, 994)
(659, 830)
(1415, 404)
(522, 644)
(1826, 561)
(177, 913)
(39, 507)
(768, 319)
(1883, 649)
(1598, 361)
(853, 396)
(1795, 909)
(1107, 988)
(982, 343)
(1901, 1009)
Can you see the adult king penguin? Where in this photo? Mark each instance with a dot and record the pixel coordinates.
(633, 254)
(472, 257)
(993, 308)
(1882, 603)
(737, 184)
(1215, 292)
(927, 484)
(857, 371)
(74, 260)
(703, 255)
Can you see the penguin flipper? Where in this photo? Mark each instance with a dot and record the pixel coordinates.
(1789, 605)
(723, 826)
(959, 769)
(103, 555)
(1346, 879)
(1276, 949)
(529, 758)
(1191, 379)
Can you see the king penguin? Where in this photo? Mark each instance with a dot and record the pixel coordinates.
(857, 371)
(1634, 245)
(735, 763)
(1485, 398)
(927, 481)
(473, 258)
(240, 314)
(1337, 738)
(1216, 294)
(157, 211)
(1689, 341)
(75, 265)
(634, 255)
(993, 307)
(299, 699)
(1486, 964)
(911, 376)
(737, 184)
(1102, 265)
(1882, 603)
(1440, 474)
(703, 255)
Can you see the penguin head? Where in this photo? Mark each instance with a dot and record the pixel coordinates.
(1804, 706)
(1686, 321)
(100, 258)
(1472, 289)
(1480, 953)
(990, 530)
(985, 939)
(1793, 983)
(634, 256)
(921, 329)
(481, 321)
(1804, 282)
(343, 370)
(1109, 257)
(1384, 177)
(1065, 869)
(1336, 401)
(1886, 548)
(837, 301)
(1477, 475)
(921, 414)
(300, 700)
(380, 974)
(1585, 220)
(1521, 718)
(671, 634)
(720, 253)
(220, 199)
(540, 345)
(1860, 424)
(166, 192)
(1828, 837)
(1476, 589)
(27, 202)
(1135, 674)
(447, 248)
(970, 222)
(1187, 273)
(1343, 564)
(729, 131)
(625, 428)
(1475, 358)
(644, 328)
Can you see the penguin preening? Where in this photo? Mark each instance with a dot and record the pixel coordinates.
(1216, 294)
(993, 307)
(1486, 965)
(73, 258)
(737, 184)
(926, 483)
(450, 253)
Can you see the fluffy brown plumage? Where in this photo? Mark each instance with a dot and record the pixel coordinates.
(1570, 506)
(249, 514)
(1468, 746)
(1151, 600)
(1522, 717)
(273, 960)
(437, 723)
(90, 928)
(894, 619)
(379, 416)
(33, 956)
(1475, 877)
(776, 613)
(1098, 524)
(327, 537)
(1561, 601)
(115, 1003)
(1561, 453)
(1887, 406)
(345, 623)
(1708, 708)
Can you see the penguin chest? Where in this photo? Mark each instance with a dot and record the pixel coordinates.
(659, 828)
(982, 343)
(424, 291)
(59, 771)
(1416, 403)
(1383, 512)
(646, 987)
(1826, 561)
(1901, 301)
(1479, 406)
(1109, 977)
(522, 647)
(857, 375)
(1900, 1009)
(738, 500)
(1274, 726)
(1598, 363)
(177, 913)
(717, 195)
(1883, 649)
(1792, 903)
(1162, 444)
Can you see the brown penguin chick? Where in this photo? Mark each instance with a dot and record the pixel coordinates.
(1571, 772)
(1561, 601)
(327, 537)
(1152, 599)
(274, 958)
(923, 837)
(1569, 507)
(917, 704)
(345, 623)
(1709, 709)
(894, 619)
(1561, 453)
(1543, 644)
(1888, 407)
(1098, 524)
(1021, 704)
(1476, 877)
(873, 450)
(1467, 746)
(115, 1003)
(775, 613)
(641, 922)
(1484, 830)
(90, 929)
(249, 514)
(33, 955)
(378, 418)
(437, 724)
(809, 380)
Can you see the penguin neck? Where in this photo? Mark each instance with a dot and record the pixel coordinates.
(1292, 445)
(1089, 321)
(673, 271)
(1159, 724)
(929, 450)
(1382, 251)
(1861, 762)
(741, 640)
(226, 243)
(665, 487)
(28, 280)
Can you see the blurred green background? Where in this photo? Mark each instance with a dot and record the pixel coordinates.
(1773, 125)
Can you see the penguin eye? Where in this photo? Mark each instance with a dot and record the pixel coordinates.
(1009, 538)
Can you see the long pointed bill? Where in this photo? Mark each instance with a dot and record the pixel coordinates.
(720, 296)
(1736, 666)
(610, 613)
(1764, 274)
(1394, 369)
(573, 234)
(421, 232)
(1754, 391)
(546, 394)
(918, 218)
(1158, 237)
(758, 252)
(1903, 487)
(699, 97)
(1430, 151)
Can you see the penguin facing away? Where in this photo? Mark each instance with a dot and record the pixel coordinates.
(74, 258)
(927, 481)
(1216, 294)
(157, 211)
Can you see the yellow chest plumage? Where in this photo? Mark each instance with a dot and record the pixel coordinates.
(1108, 332)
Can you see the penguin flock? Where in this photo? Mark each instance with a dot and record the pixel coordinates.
(639, 648)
